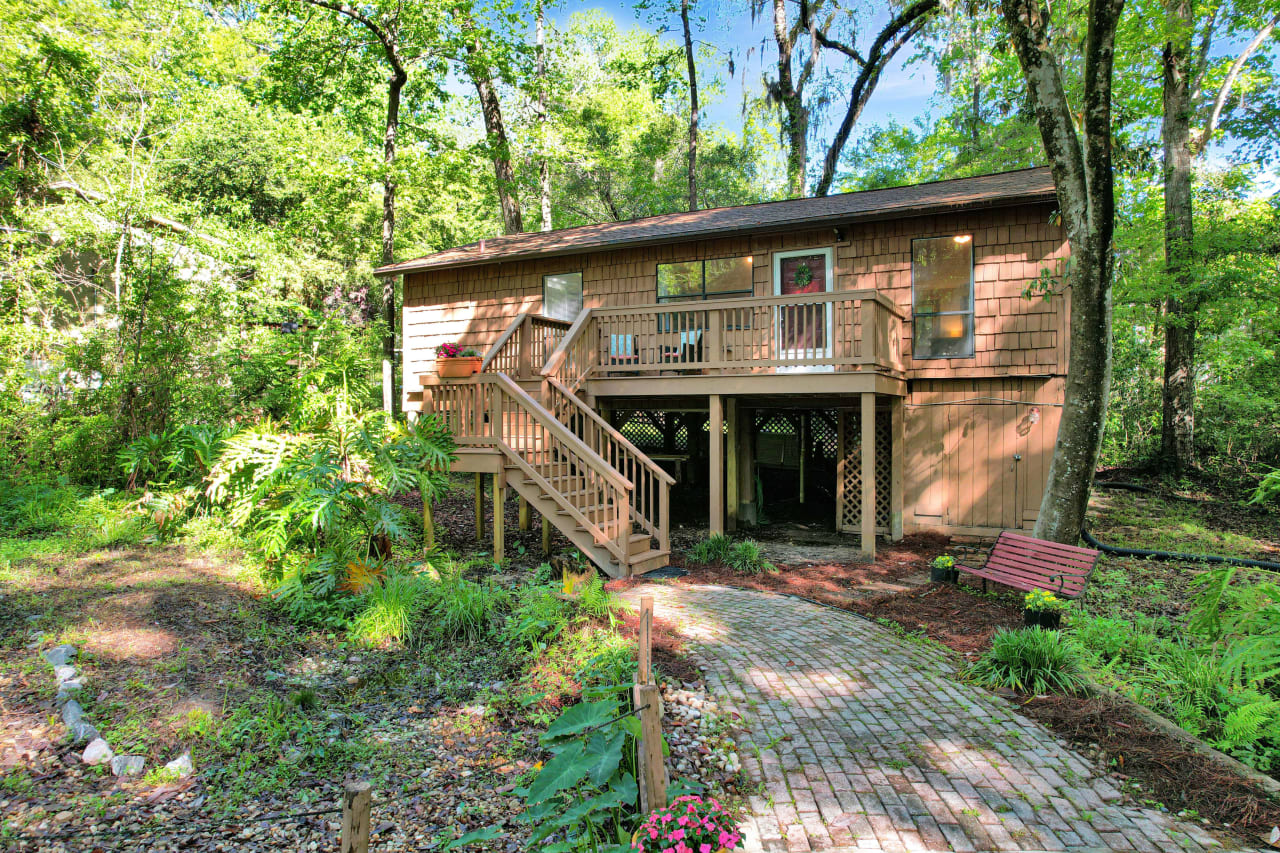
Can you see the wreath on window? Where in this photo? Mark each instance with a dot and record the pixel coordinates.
(804, 275)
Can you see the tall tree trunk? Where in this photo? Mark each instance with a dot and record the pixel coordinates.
(394, 88)
(1176, 434)
(544, 167)
(795, 118)
(495, 129)
(1082, 173)
(693, 106)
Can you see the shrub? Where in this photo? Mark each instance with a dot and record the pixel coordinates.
(747, 558)
(714, 549)
(1031, 661)
(465, 610)
(392, 607)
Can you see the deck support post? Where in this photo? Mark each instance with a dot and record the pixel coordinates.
(479, 507)
(868, 441)
(525, 521)
(428, 525)
(746, 466)
(546, 536)
(715, 464)
(897, 463)
(804, 429)
(499, 521)
(731, 460)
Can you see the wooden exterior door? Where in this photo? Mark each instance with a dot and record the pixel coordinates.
(803, 331)
(977, 454)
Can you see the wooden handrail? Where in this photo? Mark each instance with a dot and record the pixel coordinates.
(571, 337)
(754, 302)
(501, 342)
(559, 430)
(584, 409)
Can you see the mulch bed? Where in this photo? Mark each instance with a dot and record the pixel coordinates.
(830, 583)
(1174, 774)
(959, 620)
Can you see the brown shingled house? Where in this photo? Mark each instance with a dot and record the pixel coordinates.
(866, 361)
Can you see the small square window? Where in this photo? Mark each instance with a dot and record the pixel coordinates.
(562, 296)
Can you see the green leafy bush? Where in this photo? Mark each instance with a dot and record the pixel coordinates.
(587, 791)
(325, 496)
(714, 549)
(746, 558)
(392, 608)
(1031, 661)
(465, 610)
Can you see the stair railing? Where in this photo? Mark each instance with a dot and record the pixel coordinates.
(651, 497)
(492, 410)
(574, 359)
(524, 346)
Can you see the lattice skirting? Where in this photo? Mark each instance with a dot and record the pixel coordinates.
(849, 471)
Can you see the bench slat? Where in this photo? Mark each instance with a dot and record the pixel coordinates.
(1035, 581)
(1047, 556)
(1041, 545)
(1070, 590)
(999, 560)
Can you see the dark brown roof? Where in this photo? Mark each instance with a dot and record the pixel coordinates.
(996, 190)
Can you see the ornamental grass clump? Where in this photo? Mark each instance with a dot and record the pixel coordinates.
(691, 824)
(1031, 660)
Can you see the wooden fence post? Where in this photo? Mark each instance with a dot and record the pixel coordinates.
(648, 701)
(356, 799)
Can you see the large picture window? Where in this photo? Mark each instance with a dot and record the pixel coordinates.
(562, 295)
(942, 297)
(722, 278)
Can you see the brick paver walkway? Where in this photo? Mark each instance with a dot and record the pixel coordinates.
(861, 739)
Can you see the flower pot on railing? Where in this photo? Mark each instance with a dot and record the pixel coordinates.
(458, 368)
(454, 362)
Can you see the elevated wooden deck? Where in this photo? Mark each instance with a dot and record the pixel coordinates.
(529, 417)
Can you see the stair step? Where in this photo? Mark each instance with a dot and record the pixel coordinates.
(647, 561)
(639, 543)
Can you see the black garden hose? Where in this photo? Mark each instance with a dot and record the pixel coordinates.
(1173, 555)
(1138, 487)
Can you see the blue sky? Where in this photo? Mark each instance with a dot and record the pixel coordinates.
(903, 94)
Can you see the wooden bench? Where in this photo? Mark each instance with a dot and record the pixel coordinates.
(1025, 563)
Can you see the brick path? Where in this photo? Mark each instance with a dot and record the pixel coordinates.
(861, 739)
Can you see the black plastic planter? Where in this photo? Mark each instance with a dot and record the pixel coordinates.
(938, 575)
(1050, 620)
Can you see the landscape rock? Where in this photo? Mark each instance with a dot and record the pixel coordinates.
(97, 752)
(72, 713)
(67, 690)
(60, 655)
(65, 672)
(128, 765)
(83, 732)
(181, 765)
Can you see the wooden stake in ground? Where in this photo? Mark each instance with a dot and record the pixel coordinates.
(479, 507)
(428, 525)
(648, 702)
(356, 799)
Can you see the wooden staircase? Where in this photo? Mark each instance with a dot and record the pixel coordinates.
(608, 498)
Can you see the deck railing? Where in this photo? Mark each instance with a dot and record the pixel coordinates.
(491, 410)
(651, 493)
(525, 345)
(848, 330)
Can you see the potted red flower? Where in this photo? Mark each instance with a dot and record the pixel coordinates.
(454, 362)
